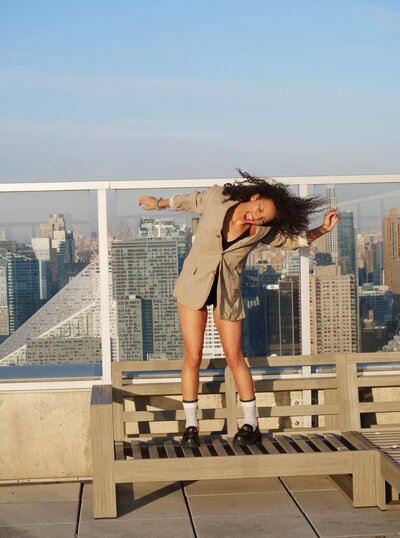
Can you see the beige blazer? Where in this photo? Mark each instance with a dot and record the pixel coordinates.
(206, 255)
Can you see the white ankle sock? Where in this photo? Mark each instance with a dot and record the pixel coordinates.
(190, 408)
(249, 412)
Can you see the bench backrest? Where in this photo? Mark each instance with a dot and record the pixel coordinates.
(335, 391)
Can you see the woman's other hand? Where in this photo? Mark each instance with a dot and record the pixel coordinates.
(330, 220)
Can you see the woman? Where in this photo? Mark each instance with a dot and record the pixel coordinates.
(235, 219)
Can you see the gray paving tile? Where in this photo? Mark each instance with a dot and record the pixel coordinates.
(50, 530)
(22, 493)
(323, 501)
(38, 512)
(247, 503)
(270, 525)
(148, 528)
(357, 522)
(306, 483)
(155, 502)
(250, 485)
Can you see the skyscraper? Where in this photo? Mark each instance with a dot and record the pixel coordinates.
(42, 249)
(58, 254)
(144, 272)
(391, 251)
(334, 322)
(20, 277)
(332, 237)
(347, 251)
(282, 317)
(4, 317)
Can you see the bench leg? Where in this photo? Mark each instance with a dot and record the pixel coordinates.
(102, 444)
(364, 482)
(104, 499)
(380, 483)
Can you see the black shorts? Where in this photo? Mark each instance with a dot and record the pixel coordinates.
(212, 296)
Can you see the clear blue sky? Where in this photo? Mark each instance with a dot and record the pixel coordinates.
(177, 88)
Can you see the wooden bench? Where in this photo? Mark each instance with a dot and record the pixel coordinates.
(136, 424)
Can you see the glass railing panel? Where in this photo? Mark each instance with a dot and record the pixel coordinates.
(355, 271)
(49, 307)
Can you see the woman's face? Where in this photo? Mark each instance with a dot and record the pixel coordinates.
(257, 211)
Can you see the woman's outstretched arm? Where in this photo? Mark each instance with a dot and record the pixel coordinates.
(330, 220)
(194, 202)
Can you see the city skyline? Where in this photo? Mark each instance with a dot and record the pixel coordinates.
(346, 280)
(142, 302)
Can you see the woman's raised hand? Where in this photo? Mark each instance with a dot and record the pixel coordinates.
(147, 202)
(330, 219)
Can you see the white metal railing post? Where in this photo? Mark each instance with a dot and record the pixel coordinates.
(305, 313)
(104, 278)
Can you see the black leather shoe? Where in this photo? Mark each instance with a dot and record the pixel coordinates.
(247, 435)
(190, 437)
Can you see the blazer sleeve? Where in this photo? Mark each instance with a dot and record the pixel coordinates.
(194, 202)
(277, 239)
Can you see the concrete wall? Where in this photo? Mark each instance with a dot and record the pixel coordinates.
(45, 435)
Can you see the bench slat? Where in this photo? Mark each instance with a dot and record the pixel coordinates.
(335, 441)
(171, 414)
(297, 410)
(187, 452)
(136, 449)
(119, 450)
(303, 383)
(378, 407)
(285, 444)
(302, 443)
(169, 448)
(357, 441)
(379, 381)
(219, 447)
(204, 449)
(318, 441)
(269, 446)
(238, 450)
(169, 389)
(153, 451)
(254, 449)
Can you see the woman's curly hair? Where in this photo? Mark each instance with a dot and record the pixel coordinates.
(293, 212)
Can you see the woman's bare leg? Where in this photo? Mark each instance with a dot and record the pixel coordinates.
(193, 324)
(230, 333)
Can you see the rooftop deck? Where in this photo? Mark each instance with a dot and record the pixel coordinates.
(292, 507)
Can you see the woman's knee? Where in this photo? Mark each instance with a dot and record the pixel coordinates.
(192, 361)
(235, 360)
